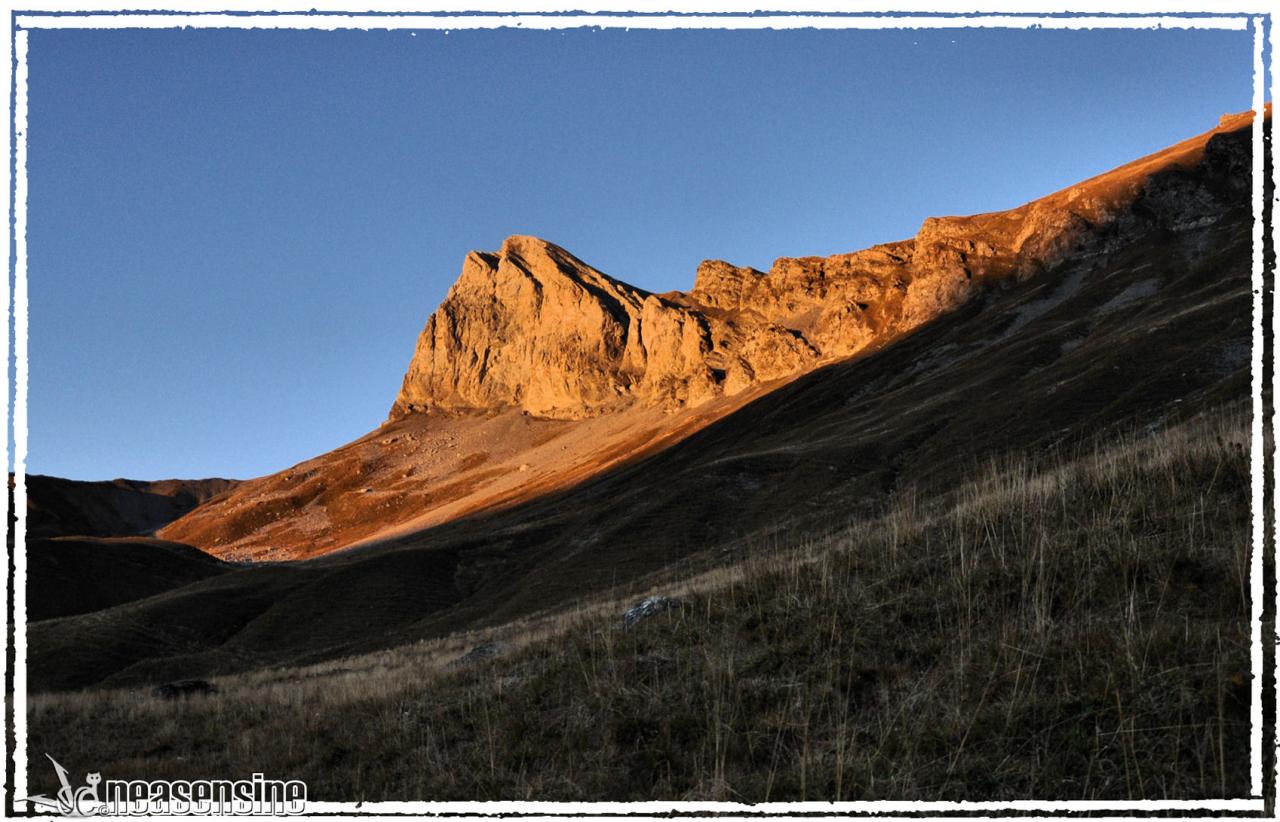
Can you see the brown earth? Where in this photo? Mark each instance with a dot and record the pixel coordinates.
(422, 470)
(88, 543)
(539, 371)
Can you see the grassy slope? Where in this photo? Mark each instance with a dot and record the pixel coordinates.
(1077, 628)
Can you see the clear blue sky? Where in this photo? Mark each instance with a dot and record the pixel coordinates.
(236, 236)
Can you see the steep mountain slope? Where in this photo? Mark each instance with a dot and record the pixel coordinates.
(62, 507)
(1143, 320)
(538, 371)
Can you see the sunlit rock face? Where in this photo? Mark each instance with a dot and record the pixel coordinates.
(533, 327)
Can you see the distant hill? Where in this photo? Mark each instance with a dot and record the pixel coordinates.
(122, 507)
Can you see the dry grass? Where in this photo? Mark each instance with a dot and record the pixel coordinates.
(1069, 627)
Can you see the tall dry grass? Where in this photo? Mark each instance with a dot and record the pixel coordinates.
(1065, 626)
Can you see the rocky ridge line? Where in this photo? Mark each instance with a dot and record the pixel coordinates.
(535, 328)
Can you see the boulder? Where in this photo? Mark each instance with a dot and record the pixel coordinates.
(480, 653)
(647, 607)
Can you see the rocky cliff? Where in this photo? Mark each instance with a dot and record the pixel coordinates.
(579, 375)
(533, 327)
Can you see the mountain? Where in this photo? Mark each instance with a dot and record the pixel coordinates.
(1121, 305)
(534, 328)
(115, 508)
(539, 371)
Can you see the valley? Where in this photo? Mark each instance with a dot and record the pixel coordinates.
(978, 491)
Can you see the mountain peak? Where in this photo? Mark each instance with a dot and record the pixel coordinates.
(535, 328)
(520, 244)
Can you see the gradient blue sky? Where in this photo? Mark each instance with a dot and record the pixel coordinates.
(236, 236)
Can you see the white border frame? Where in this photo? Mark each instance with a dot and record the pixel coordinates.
(1254, 16)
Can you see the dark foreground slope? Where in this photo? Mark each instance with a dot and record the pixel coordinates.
(79, 575)
(1066, 627)
(88, 546)
(1144, 323)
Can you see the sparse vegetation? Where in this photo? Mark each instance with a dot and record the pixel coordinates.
(1072, 626)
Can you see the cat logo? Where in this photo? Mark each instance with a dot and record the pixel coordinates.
(78, 802)
(257, 796)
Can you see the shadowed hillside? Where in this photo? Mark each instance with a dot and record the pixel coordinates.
(79, 575)
(1072, 625)
(88, 546)
(59, 507)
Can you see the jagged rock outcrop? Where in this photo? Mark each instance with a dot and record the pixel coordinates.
(535, 328)
(532, 328)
